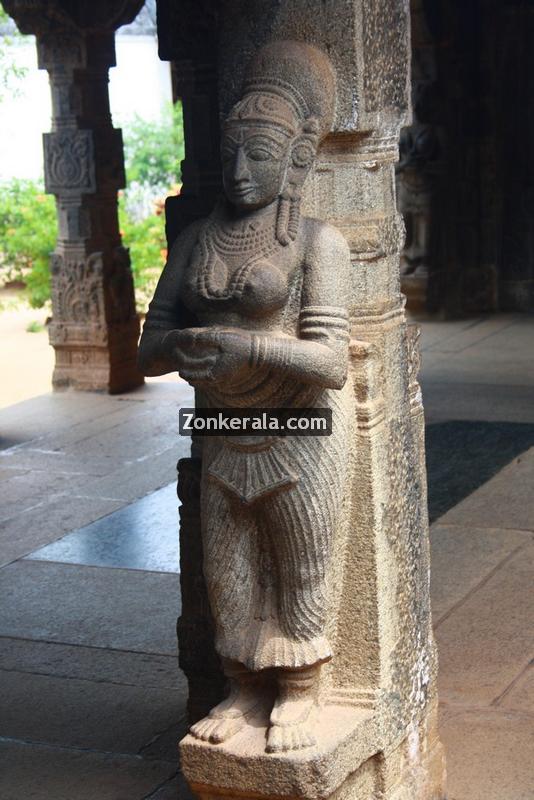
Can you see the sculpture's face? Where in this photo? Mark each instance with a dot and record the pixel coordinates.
(254, 161)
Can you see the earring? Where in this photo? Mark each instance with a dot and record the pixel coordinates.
(283, 218)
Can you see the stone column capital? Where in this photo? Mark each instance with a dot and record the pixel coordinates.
(57, 17)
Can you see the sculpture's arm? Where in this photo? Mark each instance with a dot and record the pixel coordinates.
(166, 312)
(317, 356)
(320, 355)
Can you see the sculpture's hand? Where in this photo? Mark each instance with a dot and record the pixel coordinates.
(191, 354)
(233, 346)
(207, 355)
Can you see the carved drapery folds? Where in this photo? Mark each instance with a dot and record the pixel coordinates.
(95, 327)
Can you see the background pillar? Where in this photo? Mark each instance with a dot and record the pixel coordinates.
(95, 328)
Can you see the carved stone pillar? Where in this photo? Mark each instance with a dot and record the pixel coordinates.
(188, 37)
(420, 167)
(95, 328)
(197, 656)
(376, 734)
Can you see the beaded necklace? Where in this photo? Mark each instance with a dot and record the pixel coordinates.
(220, 241)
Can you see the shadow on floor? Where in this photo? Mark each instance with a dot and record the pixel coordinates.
(461, 456)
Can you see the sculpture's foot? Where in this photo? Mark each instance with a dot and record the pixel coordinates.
(230, 716)
(293, 717)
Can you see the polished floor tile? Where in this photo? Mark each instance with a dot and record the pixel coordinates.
(142, 535)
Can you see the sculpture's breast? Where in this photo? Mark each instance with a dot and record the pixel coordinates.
(247, 284)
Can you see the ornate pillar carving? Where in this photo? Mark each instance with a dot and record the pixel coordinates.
(364, 724)
(95, 328)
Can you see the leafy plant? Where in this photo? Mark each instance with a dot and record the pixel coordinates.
(28, 229)
(10, 71)
(34, 327)
(146, 241)
(153, 150)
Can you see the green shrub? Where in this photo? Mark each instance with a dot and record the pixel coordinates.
(34, 327)
(11, 74)
(28, 230)
(154, 149)
(146, 241)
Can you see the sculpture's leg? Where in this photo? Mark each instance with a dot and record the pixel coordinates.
(230, 716)
(294, 715)
(230, 545)
(301, 524)
(302, 536)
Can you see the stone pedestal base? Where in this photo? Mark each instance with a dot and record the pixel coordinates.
(344, 765)
(95, 359)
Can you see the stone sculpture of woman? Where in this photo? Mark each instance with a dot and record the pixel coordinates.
(251, 309)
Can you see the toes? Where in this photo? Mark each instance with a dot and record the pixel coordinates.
(204, 729)
(293, 737)
(307, 739)
(222, 732)
(215, 731)
(273, 740)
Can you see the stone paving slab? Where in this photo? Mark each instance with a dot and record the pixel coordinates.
(49, 520)
(176, 789)
(33, 772)
(463, 557)
(87, 426)
(49, 414)
(509, 339)
(87, 714)
(439, 331)
(91, 663)
(489, 755)
(62, 463)
(461, 456)
(21, 492)
(142, 535)
(110, 608)
(480, 364)
(6, 474)
(483, 644)
(505, 501)
(457, 336)
(476, 401)
(121, 410)
(520, 696)
(134, 438)
(141, 476)
(165, 746)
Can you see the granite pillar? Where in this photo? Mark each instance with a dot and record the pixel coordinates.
(188, 36)
(95, 328)
(376, 734)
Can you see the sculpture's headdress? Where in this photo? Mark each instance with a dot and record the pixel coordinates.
(289, 85)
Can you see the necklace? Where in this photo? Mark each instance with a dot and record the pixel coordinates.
(220, 241)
